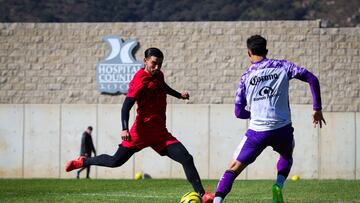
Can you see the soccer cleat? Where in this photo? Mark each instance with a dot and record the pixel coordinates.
(75, 164)
(277, 195)
(208, 197)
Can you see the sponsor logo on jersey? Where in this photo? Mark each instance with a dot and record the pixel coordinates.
(257, 79)
(117, 69)
(266, 92)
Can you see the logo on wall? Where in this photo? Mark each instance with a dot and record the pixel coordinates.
(114, 73)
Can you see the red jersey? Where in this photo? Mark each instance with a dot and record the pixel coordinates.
(149, 128)
(150, 94)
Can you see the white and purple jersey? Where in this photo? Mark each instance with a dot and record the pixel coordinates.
(264, 88)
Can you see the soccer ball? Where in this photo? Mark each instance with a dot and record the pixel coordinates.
(295, 178)
(138, 176)
(191, 197)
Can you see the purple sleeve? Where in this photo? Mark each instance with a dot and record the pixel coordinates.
(314, 87)
(240, 101)
(306, 76)
(241, 112)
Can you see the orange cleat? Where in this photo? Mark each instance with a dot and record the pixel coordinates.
(75, 164)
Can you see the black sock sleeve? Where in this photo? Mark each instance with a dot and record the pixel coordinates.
(178, 153)
(125, 112)
(172, 92)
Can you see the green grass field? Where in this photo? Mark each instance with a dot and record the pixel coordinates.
(166, 190)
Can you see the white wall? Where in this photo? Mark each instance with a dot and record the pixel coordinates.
(11, 140)
(41, 141)
(37, 140)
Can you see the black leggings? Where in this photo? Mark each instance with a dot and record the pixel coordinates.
(119, 158)
(176, 152)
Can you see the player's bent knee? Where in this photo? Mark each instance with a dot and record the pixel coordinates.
(236, 166)
(188, 159)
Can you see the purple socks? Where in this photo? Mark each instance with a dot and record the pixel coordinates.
(225, 184)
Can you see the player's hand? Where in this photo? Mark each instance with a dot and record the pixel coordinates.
(318, 118)
(185, 95)
(125, 135)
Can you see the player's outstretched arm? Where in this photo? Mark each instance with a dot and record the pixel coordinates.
(185, 95)
(314, 84)
(174, 93)
(125, 114)
(318, 118)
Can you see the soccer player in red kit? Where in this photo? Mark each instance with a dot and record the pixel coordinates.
(149, 90)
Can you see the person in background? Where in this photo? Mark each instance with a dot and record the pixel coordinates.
(87, 147)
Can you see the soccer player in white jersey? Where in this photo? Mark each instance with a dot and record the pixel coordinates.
(262, 96)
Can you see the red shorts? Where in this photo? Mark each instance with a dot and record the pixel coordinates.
(158, 140)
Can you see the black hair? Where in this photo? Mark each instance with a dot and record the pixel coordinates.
(257, 45)
(153, 52)
(90, 128)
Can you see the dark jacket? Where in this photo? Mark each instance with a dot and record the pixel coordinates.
(87, 145)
